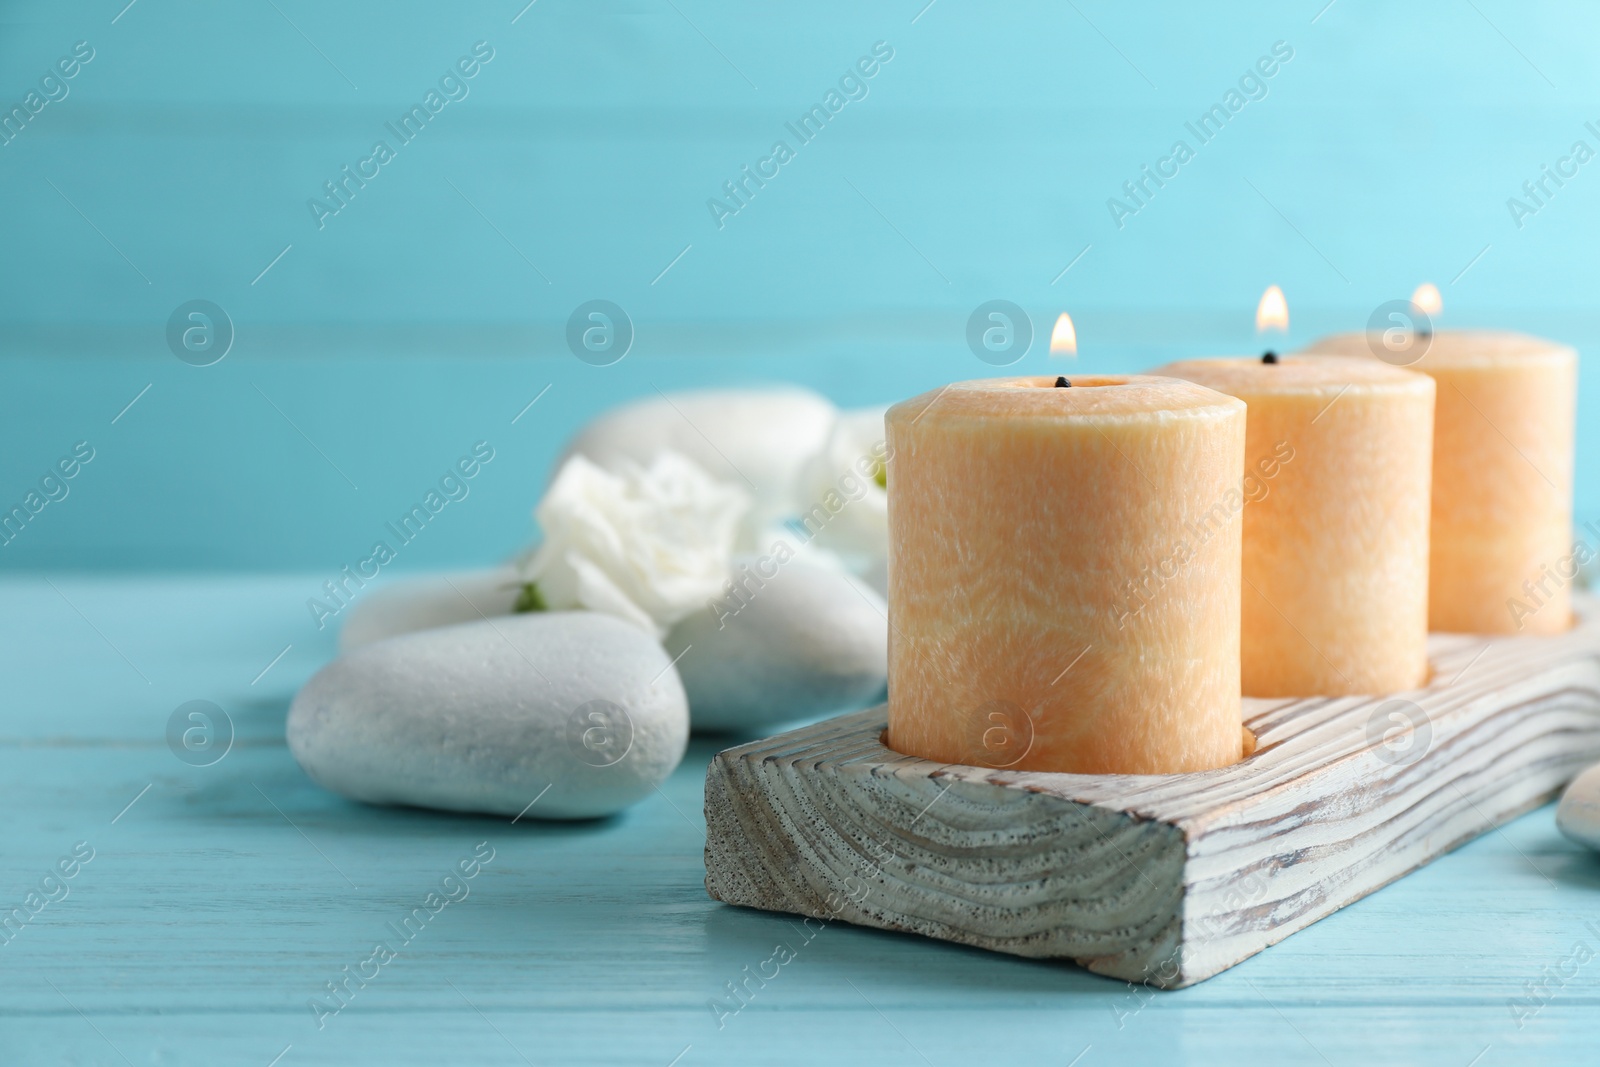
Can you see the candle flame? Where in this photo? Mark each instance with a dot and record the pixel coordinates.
(1063, 338)
(1273, 311)
(1427, 299)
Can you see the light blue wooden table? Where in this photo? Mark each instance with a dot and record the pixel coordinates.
(221, 899)
(372, 351)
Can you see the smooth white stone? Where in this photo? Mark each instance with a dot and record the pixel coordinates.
(808, 641)
(484, 716)
(413, 604)
(1578, 814)
(757, 439)
(877, 577)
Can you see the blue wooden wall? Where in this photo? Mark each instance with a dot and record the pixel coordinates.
(374, 344)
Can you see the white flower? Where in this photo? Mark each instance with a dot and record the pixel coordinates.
(844, 506)
(647, 545)
(757, 439)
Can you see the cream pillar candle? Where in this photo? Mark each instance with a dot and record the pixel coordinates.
(1336, 479)
(1502, 478)
(1055, 600)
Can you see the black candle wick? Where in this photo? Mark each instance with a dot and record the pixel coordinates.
(1062, 383)
(1269, 356)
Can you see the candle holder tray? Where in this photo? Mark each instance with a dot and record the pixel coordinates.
(1160, 879)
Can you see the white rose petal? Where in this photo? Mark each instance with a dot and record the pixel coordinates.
(845, 510)
(757, 439)
(648, 545)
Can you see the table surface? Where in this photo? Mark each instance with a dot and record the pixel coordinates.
(221, 900)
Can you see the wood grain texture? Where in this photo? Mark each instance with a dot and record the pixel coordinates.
(1161, 879)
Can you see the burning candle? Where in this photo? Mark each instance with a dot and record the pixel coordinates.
(1063, 337)
(1336, 482)
(1427, 301)
(1272, 311)
(1063, 588)
(1502, 555)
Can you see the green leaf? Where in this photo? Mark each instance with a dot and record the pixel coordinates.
(530, 599)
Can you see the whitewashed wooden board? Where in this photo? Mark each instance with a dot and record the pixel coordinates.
(1161, 879)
